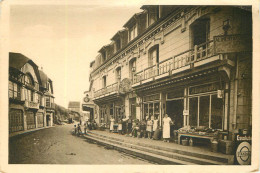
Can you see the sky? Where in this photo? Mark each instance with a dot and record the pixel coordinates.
(63, 39)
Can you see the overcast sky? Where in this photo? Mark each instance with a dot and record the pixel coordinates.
(64, 39)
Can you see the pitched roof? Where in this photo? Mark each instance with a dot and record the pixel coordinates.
(17, 60)
(44, 78)
(74, 105)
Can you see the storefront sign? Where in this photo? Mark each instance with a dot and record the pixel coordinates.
(232, 43)
(205, 88)
(244, 138)
(220, 93)
(243, 153)
(185, 112)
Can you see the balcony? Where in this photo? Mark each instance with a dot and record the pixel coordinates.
(109, 90)
(50, 105)
(31, 104)
(199, 55)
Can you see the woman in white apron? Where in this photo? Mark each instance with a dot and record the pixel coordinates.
(166, 128)
(112, 121)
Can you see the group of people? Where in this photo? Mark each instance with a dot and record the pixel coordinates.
(88, 125)
(147, 128)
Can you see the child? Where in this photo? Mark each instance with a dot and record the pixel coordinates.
(149, 128)
(79, 130)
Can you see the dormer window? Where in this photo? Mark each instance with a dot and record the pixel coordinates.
(104, 56)
(153, 14)
(132, 32)
(118, 44)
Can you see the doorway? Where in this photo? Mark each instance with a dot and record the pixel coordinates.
(174, 109)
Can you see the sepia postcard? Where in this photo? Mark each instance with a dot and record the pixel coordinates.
(129, 86)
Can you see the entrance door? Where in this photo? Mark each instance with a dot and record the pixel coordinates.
(30, 119)
(15, 120)
(39, 119)
(48, 120)
(174, 109)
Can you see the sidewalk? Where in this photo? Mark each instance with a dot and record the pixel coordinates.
(160, 146)
(27, 131)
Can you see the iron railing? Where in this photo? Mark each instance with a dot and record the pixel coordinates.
(198, 53)
(109, 89)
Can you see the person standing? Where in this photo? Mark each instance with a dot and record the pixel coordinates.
(166, 128)
(112, 121)
(149, 128)
(155, 125)
(120, 126)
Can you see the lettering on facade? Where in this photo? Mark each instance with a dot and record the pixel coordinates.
(152, 97)
(205, 88)
(232, 43)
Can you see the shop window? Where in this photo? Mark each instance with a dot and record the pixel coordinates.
(153, 14)
(111, 109)
(132, 32)
(118, 74)
(203, 114)
(204, 111)
(200, 31)
(153, 55)
(14, 91)
(193, 118)
(216, 112)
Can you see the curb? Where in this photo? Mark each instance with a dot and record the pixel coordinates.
(27, 131)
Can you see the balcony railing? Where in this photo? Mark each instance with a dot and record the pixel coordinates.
(109, 89)
(198, 53)
(31, 104)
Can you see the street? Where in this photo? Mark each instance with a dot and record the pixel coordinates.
(58, 146)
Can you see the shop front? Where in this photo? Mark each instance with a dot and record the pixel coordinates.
(151, 107)
(16, 120)
(30, 119)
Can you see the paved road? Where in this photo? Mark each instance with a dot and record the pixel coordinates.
(58, 146)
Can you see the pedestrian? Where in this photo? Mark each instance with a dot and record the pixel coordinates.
(166, 128)
(75, 129)
(143, 128)
(79, 130)
(85, 127)
(129, 125)
(119, 126)
(155, 125)
(149, 128)
(124, 125)
(112, 121)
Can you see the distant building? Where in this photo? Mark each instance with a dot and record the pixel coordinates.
(27, 95)
(74, 110)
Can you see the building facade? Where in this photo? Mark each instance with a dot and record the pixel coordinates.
(192, 62)
(27, 97)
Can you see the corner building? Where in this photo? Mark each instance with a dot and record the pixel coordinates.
(30, 91)
(192, 62)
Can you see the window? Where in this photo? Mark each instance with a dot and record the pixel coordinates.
(118, 74)
(29, 80)
(118, 44)
(104, 80)
(200, 32)
(200, 114)
(132, 33)
(132, 68)
(154, 55)
(14, 91)
(48, 104)
(153, 14)
(104, 56)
